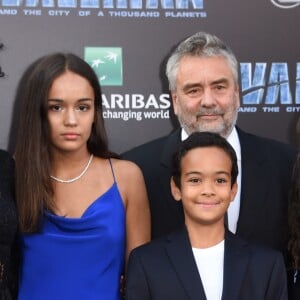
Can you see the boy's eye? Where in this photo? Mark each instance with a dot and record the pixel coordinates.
(221, 180)
(194, 180)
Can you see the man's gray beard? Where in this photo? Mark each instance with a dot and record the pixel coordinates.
(223, 129)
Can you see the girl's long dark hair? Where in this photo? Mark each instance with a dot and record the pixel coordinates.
(33, 185)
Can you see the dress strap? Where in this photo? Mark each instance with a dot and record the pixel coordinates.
(112, 170)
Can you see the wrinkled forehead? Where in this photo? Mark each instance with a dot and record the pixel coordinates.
(224, 58)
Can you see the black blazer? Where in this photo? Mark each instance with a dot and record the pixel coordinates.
(8, 228)
(165, 269)
(266, 173)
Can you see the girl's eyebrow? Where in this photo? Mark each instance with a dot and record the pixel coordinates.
(61, 101)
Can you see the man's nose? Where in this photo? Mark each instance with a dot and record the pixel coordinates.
(208, 98)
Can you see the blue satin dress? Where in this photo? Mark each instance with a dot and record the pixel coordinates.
(76, 258)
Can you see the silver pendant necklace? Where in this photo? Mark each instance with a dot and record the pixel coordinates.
(77, 177)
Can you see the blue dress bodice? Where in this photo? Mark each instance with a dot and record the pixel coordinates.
(76, 258)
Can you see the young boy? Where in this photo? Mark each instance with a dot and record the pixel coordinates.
(204, 260)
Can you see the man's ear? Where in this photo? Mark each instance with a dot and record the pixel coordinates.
(237, 96)
(174, 101)
(175, 190)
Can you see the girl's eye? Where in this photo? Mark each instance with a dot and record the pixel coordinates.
(83, 107)
(55, 107)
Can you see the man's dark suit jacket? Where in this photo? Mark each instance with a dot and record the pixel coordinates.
(165, 269)
(266, 173)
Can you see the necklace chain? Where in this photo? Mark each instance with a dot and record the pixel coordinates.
(77, 177)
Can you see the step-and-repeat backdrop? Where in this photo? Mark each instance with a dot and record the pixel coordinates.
(127, 43)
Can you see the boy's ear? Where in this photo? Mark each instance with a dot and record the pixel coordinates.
(175, 190)
(234, 189)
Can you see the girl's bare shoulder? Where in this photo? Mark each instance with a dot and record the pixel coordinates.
(126, 169)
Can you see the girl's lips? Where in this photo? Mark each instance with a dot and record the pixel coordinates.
(70, 136)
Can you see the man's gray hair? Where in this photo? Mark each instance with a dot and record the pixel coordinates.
(200, 44)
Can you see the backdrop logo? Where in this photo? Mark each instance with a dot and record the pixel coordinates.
(268, 87)
(107, 64)
(139, 9)
(117, 4)
(286, 3)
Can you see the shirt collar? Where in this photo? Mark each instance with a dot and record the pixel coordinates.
(233, 140)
